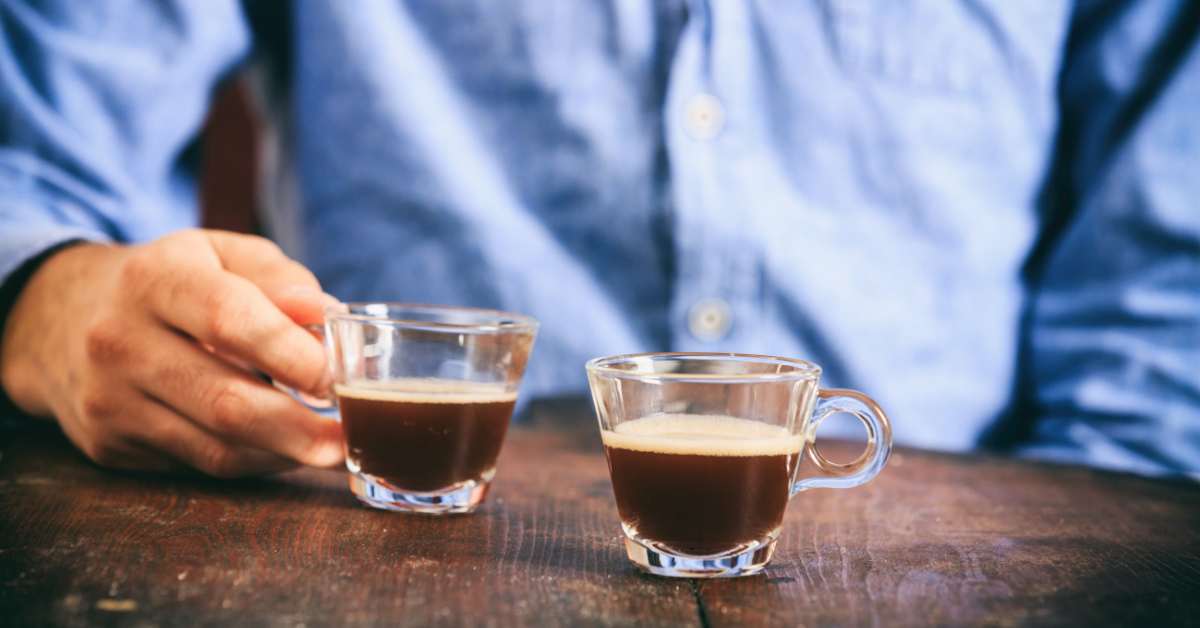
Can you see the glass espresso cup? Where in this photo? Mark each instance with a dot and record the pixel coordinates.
(424, 394)
(704, 449)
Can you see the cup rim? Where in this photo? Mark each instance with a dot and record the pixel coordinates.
(508, 323)
(807, 370)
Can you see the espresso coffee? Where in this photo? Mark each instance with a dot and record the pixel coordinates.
(701, 484)
(424, 434)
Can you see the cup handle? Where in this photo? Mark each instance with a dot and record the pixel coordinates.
(325, 405)
(879, 441)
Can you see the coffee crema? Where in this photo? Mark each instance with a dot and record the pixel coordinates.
(701, 484)
(424, 434)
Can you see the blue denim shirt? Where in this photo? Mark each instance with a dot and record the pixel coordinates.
(984, 214)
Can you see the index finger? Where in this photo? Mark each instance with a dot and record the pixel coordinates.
(287, 283)
(233, 316)
(259, 260)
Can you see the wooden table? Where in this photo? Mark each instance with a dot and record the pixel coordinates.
(936, 539)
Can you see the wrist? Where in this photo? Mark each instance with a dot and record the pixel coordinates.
(42, 291)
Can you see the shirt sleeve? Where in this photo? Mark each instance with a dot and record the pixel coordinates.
(100, 104)
(1111, 352)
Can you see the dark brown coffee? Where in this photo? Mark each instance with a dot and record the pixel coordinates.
(424, 435)
(701, 484)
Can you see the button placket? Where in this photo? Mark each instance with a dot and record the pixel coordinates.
(717, 272)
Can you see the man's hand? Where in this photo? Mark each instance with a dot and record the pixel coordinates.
(139, 352)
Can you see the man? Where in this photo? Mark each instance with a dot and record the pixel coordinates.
(981, 213)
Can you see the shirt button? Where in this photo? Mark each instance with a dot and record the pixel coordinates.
(710, 319)
(704, 116)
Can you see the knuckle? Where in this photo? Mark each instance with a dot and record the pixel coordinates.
(98, 406)
(105, 340)
(219, 460)
(242, 244)
(231, 408)
(143, 266)
(183, 238)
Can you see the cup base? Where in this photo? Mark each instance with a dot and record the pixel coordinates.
(742, 561)
(461, 498)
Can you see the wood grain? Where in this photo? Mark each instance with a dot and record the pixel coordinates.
(935, 540)
(954, 540)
